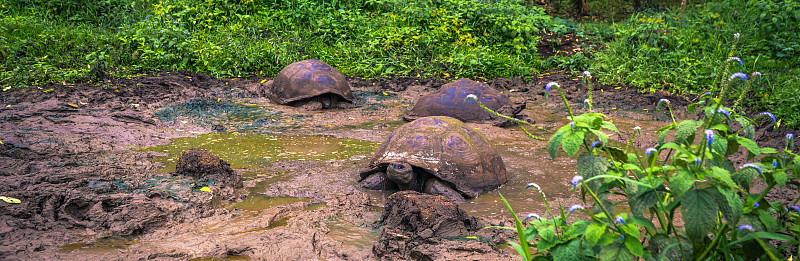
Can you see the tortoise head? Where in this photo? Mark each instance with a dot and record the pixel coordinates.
(402, 173)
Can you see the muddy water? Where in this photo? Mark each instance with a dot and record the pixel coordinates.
(290, 179)
(252, 151)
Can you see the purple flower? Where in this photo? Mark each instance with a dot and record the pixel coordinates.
(736, 59)
(576, 180)
(533, 185)
(796, 208)
(723, 111)
(663, 100)
(649, 151)
(775, 164)
(751, 165)
(770, 116)
(550, 85)
(709, 136)
(574, 207)
(739, 75)
(697, 161)
(532, 215)
(789, 136)
(754, 74)
(471, 96)
(572, 124)
(736, 35)
(756, 205)
(585, 101)
(637, 128)
(595, 144)
(619, 220)
(587, 74)
(748, 227)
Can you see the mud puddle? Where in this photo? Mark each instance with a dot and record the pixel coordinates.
(69, 158)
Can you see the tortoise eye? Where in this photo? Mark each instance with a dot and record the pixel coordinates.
(399, 166)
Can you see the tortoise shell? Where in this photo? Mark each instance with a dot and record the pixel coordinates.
(447, 149)
(450, 101)
(306, 79)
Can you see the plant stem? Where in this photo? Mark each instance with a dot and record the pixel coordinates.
(717, 237)
(603, 207)
(764, 246)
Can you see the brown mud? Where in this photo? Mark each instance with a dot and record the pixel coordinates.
(73, 155)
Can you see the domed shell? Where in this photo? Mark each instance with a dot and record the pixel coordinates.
(449, 150)
(306, 79)
(449, 101)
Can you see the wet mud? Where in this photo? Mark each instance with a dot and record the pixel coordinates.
(93, 165)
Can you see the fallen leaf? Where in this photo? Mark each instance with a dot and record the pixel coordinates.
(205, 189)
(617, 88)
(48, 90)
(264, 80)
(10, 200)
(385, 94)
(73, 105)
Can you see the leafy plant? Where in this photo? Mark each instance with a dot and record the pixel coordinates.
(688, 180)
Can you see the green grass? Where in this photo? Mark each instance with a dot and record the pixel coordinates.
(681, 53)
(79, 40)
(655, 49)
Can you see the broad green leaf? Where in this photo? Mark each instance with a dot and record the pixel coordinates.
(609, 126)
(729, 204)
(684, 132)
(607, 238)
(522, 247)
(699, 213)
(733, 147)
(719, 145)
(680, 182)
(572, 141)
(594, 232)
(745, 177)
(748, 130)
(617, 154)
(767, 235)
(591, 165)
(572, 251)
(768, 150)
(642, 222)
(548, 239)
(630, 229)
(667, 248)
(642, 200)
(634, 246)
(723, 176)
(674, 146)
(615, 252)
(780, 177)
(603, 137)
(751, 146)
(555, 141)
(662, 136)
(769, 222)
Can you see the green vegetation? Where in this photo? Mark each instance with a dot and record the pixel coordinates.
(681, 52)
(684, 180)
(653, 49)
(75, 40)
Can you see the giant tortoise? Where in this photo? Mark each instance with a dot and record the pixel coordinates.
(436, 155)
(450, 101)
(310, 84)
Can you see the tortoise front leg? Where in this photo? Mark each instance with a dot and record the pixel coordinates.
(437, 187)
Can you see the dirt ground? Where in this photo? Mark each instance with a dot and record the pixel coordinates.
(70, 155)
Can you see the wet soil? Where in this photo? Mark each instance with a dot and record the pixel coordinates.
(85, 161)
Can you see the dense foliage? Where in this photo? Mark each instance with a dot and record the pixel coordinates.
(687, 200)
(75, 40)
(678, 52)
(654, 49)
